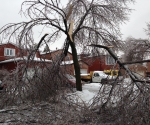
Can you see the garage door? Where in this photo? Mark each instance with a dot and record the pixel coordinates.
(83, 71)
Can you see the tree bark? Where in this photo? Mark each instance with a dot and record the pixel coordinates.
(76, 67)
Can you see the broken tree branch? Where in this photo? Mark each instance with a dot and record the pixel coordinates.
(132, 76)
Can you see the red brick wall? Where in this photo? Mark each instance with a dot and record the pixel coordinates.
(98, 63)
(18, 52)
(8, 66)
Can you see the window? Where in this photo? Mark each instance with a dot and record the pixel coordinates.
(9, 52)
(110, 60)
(96, 74)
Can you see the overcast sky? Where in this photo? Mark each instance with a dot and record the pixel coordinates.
(9, 13)
(138, 19)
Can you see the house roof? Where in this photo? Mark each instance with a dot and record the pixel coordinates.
(67, 62)
(21, 47)
(24, 58)
(71, 62)
(18, 46)
(8, 43)
(52, 51)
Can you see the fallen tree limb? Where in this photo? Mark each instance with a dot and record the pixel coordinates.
(122, 65)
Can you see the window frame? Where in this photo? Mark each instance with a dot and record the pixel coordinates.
(9, 52)
(108, 62)
(96, 74)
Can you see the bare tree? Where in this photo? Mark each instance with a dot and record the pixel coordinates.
(94, 22)
(135, 49)
(123, 96)
(147, 30)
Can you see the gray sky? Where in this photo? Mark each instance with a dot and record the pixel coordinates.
(9, 13)
(138, 19)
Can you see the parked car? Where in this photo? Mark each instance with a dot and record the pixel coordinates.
(86, 77)
(97, 76)
(71, 80)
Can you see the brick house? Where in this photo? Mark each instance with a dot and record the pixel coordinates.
(67, 63)
(13, 56)
(139, 69)
(10, 50)
(99, 63)
(52, 55)
(87, 63)
(142, 70)
(69, 66)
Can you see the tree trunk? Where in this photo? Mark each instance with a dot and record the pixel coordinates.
(76, 67)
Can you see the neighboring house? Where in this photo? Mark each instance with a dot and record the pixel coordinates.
(87, 63)
(69, 67)
(99, 63)
(67, 63)
(52, 55)
(13, 56)
(10, 50)
(8, 53)
(142, 69)
(139, 69)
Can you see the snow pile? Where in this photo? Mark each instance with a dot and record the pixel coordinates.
(86, 95)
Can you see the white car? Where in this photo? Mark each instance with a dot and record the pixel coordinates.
(98, 76)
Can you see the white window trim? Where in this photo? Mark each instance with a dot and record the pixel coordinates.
(9, 54)
(108, 62)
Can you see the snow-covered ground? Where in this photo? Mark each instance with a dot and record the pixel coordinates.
(89, 91)
(33, 113)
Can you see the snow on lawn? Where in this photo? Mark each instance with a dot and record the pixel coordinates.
(87, 93)
(91, 90)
